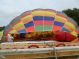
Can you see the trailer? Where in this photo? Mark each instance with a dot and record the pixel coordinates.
(46, 49)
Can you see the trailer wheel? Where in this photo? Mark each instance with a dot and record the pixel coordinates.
(33, 46)
(60, 45)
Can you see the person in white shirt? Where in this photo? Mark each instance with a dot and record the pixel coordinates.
(10, 38)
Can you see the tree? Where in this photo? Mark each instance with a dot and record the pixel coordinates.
(73, 13)
(2, 28)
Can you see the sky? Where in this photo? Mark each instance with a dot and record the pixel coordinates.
(9, 9)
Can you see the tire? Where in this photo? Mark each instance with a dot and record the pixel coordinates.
(33, 46)
(60, 45)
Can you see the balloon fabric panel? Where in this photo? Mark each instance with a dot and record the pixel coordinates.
(27, 19)
(29, 24)
(64, 29)
(19, 26)
(74, 33)
(58, 23)
(38, 28)
(48, 18)
(46, 22)
(30, 29)
(60, 19)
(67, 27)
(70, 25)
(37, 18)
(13, 31)
(22, 31)
(37, 22)
(43, 13)
(56, 28)
(47, 28)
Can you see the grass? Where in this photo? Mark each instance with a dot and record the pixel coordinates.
(1, 33)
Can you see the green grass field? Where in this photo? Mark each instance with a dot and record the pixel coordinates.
(1, 33)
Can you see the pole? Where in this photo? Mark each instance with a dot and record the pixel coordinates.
(55, 53)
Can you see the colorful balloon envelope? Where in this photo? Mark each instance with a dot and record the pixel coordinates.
(40, 20)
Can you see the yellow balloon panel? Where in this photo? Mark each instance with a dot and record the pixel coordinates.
(13, 31)
(70, 25)
(27, 19)
(74, 33)
(60, 19)
(43, 13)
(19, 26)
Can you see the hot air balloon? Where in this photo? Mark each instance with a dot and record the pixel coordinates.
(40, 20)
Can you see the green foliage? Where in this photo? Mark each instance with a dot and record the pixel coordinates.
(2, 28)
(73, 13)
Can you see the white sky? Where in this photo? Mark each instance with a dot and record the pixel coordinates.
(9, 9)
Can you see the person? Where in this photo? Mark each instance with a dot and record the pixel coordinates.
(10, 38)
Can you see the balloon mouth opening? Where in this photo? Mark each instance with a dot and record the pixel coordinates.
(44, 36)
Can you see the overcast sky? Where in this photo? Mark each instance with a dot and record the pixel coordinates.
(9, 9)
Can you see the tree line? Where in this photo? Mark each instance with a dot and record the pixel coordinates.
(2, 28)
(73, 13)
